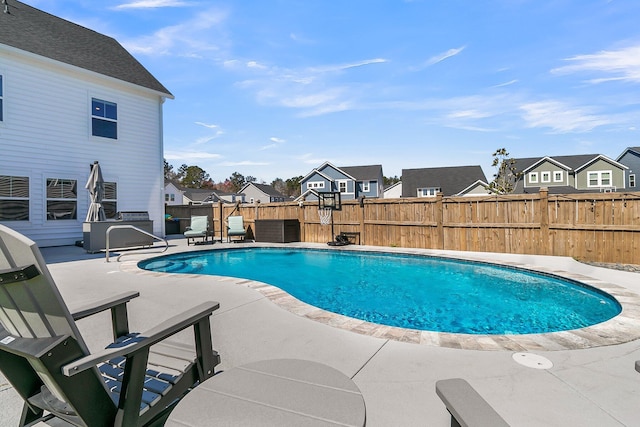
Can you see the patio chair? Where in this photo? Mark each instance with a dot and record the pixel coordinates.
(466, 406)
(199, 228)
(235, 227)
(46, 360)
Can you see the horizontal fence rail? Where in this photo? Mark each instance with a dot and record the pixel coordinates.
(601, 227)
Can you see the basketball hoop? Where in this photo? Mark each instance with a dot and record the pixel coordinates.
(325, 215)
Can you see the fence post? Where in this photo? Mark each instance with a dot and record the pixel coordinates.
(301, 220)
(439, 221)
(544, 222)
(221, 221)
(362, 234)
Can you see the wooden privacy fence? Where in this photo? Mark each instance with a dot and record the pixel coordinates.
(603, 227)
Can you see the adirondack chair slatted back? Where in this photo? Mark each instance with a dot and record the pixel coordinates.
(30, 304)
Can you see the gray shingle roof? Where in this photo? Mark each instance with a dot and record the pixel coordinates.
(451, 180)
(268, 190)
(370, 172)
(32, 30)
(573, 162)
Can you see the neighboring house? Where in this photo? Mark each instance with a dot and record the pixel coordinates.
(631, 159)
(262, 193)
(570, 174)
(173, 194)
(394, 191)
(70, 96)
(196, 196)
(351, 181)
(450, 181)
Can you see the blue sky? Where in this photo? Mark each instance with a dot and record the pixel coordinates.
(274, 88)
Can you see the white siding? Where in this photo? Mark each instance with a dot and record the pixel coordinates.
(46, 133)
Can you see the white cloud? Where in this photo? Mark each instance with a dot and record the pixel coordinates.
(187, 39)
(561, 118)
(243, 163)
(509, 83)
(151, 4)
(342, 67)
(210, 126)
(190, 155)
(277, 140)
(439, 58)
(620, 65)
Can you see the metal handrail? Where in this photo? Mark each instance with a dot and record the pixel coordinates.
(114, 227)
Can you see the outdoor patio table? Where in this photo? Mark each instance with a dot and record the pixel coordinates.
(278, 392)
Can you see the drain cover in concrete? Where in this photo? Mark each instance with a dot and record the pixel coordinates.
(531, 360)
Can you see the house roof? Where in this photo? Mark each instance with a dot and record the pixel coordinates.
(451, 180)
(370, 172)
(197, 194)
(570, 162)
(636, 150)
(266, 189)
(32, 30)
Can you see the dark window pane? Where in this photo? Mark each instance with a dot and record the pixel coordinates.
(61, 188)
(0, 85)
(97, 108)
(1, 110)
(111, 110)
(104, 128)
(110, 190)
(5, 186)
(110, 209)
(61, 210)
(14, 210)
(14, 186)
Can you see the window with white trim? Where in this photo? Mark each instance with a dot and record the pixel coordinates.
(104, 118)
(62, 199)
(365, 187)
(342, 186)
(545, 176)
(533, 177)
(14, 198)
(557, 176)
(632, 180)
(110, 201)
(315, 184)
(428, 191)
(599, 179)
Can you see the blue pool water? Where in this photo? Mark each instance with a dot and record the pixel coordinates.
(416, 292)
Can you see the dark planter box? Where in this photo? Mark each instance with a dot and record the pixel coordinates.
(277, 230)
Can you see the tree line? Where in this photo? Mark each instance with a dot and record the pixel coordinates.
(196, 177)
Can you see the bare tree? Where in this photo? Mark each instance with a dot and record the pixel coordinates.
(507, 174)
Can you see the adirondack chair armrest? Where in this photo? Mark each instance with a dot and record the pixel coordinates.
(118, 306)
(103, 304)
(153, 336)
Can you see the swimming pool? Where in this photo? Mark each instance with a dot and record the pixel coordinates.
(410, 291)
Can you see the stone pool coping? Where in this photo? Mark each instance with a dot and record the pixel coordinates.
(624, 327)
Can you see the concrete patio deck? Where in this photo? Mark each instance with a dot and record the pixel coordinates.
(594, 386)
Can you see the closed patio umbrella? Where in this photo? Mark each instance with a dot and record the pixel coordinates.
(95, 185)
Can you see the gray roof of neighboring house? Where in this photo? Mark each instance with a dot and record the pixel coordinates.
(197, 194)
(572, 162)
(32, 30)
(636, 150)
(451, 180)
(267, 189)
(372, 172)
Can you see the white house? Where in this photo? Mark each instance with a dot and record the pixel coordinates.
(68, 97)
